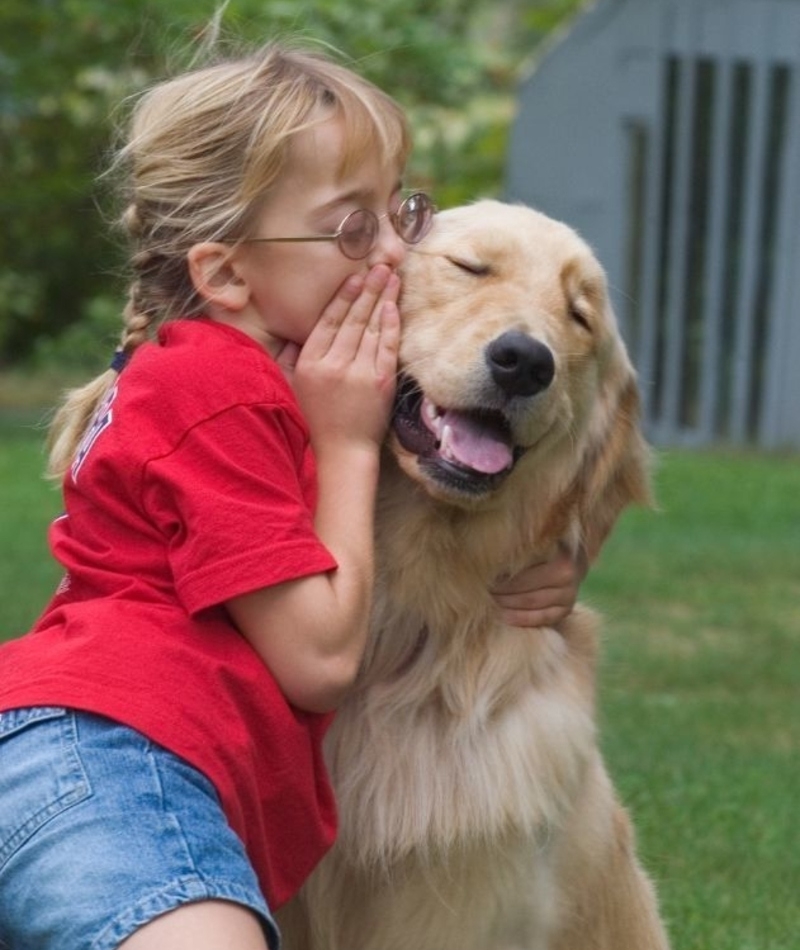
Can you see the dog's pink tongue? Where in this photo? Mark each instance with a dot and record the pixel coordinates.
(465, 440)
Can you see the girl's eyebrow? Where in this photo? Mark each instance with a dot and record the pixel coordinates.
(357, 196)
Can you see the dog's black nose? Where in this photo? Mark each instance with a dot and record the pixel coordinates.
(520, 365)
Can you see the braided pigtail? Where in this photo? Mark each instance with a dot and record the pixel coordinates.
(78, 407)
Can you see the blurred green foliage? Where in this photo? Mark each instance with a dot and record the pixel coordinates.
(66, 65)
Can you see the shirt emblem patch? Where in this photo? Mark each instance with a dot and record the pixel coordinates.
(100, 422)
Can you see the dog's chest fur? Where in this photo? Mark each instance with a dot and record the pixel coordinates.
(461, 728)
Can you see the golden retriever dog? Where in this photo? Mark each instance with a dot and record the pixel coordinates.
(476, 812)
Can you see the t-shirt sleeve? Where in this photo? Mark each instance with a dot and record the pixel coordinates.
(235, 500)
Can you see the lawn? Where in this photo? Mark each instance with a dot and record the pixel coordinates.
(700, 694)
(27, 573)
(700, 681)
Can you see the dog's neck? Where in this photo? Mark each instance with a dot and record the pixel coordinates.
(423, 540)
(436, 567)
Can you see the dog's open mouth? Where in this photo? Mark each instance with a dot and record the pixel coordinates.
(470, 450)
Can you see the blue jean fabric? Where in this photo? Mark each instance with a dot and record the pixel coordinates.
(101, 831)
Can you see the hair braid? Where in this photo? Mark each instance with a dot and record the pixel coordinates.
(142, 309)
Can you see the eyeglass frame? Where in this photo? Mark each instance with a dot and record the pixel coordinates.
(336, 236)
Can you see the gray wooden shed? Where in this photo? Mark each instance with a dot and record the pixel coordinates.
(668, 133)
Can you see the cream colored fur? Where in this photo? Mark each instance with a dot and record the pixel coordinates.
(476, 813)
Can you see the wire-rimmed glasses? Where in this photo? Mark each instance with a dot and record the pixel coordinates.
(358, 233)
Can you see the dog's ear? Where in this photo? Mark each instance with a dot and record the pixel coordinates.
(616, 469)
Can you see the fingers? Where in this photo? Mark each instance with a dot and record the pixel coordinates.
(543, 593)
(563, 570)
(537, 600)
(354, 319)
(370, 330)
(541, 606)
(388, 341)
(346, 373)
(530, 619)
(324, 331)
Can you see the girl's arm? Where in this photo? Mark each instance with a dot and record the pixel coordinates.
(311, 632)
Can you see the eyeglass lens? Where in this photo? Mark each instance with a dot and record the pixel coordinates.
(413, 218)
(359, 230)
(358, 233)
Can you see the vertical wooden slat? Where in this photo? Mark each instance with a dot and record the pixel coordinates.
(748, 265)
(646, 355)
(638, 143)
(781, 398)
(714, 277)
(673, 372)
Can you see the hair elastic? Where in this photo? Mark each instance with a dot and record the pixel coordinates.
(120, 361)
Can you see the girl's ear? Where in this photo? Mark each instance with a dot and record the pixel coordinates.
(215, 276)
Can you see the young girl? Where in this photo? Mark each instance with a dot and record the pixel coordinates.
(161, 775)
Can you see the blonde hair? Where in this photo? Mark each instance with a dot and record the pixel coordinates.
(202, 152)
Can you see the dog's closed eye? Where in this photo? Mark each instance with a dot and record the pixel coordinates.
(476, 268)
(578, 314)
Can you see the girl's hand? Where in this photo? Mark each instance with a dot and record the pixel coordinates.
(345, 374)
(543, 593)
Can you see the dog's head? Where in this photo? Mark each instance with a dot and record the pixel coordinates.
(511, 360)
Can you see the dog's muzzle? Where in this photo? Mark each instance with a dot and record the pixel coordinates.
(471, 450)
(466, 451)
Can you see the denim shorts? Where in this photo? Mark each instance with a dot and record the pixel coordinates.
(101, 831)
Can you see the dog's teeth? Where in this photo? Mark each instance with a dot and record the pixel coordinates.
(432, 417)
(444, 444)
(431, 412)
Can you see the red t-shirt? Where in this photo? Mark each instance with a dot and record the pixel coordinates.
(194, 483)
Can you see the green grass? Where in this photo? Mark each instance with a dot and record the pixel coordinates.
(699, 694)
(700, 680)
(28, 575)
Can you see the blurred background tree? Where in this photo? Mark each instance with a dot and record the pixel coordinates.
(66, 66)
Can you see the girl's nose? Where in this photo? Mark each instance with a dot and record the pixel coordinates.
(390, 248)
